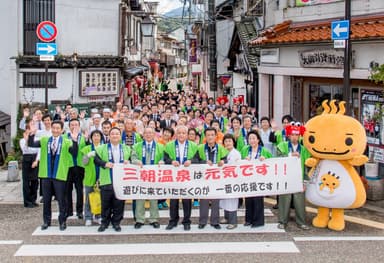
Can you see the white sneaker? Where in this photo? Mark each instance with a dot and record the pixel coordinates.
(88, 222)
(97, 221)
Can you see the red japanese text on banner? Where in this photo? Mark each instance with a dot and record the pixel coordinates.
(200, 181)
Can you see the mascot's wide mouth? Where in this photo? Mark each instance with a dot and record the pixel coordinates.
(335, 153)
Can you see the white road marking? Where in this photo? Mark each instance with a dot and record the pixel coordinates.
(157, 249)
(340, 238)
(352, 219)
(165, 213)
(11, 242)
(149, 230)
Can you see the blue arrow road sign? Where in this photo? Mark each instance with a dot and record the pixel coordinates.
(46, 49)
(340, 30)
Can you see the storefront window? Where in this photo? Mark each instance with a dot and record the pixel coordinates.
(321, 92)
(372, 102)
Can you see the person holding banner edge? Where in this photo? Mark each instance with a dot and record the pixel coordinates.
(230, 205)
(180, 152)
(254, 206)
(112, 209)
(147, 152)
(211, 153)
(292, 147)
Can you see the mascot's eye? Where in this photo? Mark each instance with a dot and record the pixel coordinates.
(311, 139)
(348, 141)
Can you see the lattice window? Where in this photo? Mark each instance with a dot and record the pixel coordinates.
(36, 80)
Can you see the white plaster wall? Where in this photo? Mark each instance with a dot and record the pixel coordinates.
(324, 11)
(87, 27)
(9, 47)
(67, 87)
(364, 53)
(224, 33)
(281, 92)
(263, 102)
(9, 19)
(238, 86)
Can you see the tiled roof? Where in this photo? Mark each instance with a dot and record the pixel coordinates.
(67, 62)
(246, 31)
(362, 28)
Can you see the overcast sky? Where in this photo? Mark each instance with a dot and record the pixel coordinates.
(168, 5)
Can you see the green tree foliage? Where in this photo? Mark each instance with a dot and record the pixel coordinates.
(377, 74)
(170, 24)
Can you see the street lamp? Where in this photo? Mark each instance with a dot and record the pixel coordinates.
(147, 27)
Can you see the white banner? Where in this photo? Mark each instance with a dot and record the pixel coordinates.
(200, 181)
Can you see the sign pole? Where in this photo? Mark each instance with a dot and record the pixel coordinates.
(347, 66)
(46, 86)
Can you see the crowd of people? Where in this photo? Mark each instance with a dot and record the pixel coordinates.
(66, 150)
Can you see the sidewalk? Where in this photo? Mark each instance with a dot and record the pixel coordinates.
(11, 193)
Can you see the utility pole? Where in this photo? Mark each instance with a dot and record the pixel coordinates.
(212, 45)
(347, 62)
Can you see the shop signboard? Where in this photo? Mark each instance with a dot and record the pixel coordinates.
(99, 83)
(322, 58)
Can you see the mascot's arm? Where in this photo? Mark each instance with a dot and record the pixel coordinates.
(311, 162)
(358, 160)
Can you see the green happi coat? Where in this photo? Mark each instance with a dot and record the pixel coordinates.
(283, 150)
(225, 124)
(221, 153)
(170, 149)
(159, 151)
(102, 151)
(80, 144)
(264, 152)
(240, 143)
(89, 168)
(65, 160)
(280, 137)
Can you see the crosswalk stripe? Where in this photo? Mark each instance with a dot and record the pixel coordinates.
(165, 213)
(157, 249)
(340, 238)
(149, 230)
(11, 242)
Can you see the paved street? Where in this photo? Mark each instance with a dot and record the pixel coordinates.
(21, 239)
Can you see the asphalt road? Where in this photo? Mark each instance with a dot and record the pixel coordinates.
(18, 223)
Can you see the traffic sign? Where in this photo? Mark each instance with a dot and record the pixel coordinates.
(340, 30)
(46, 49)
(339, 43)
(47, 58)
(46, 31)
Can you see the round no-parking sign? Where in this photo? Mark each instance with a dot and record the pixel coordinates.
(46, 31)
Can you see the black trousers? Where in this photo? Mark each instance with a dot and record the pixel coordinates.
(50, 187)
(174, 211)
(30, 180)
(254, 210)
(112, 209)
(75, 178)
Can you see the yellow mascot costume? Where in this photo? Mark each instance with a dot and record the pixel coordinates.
(336, 143)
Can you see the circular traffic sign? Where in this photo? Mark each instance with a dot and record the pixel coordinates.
(46, 31)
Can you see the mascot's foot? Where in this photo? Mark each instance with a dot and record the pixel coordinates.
(322, 218)
(337, 222)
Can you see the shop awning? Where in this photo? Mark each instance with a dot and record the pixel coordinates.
(362, 28)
